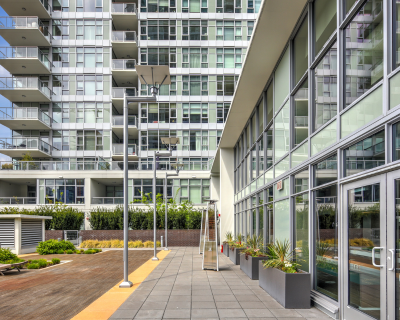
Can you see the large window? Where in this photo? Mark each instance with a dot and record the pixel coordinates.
(250, 27)
(158, 113)
(196, 191)
(325, 171)
(324, 22)
(158, 56)
(89, 5)
(195, 113)
(194, 30)
(194, 57)
(143, 188)
(61, 5)
(253, 6)
(88, 140)
(194, 6)
(226, 85)
(158, 30)
(165, 89)
(195, 85)
(151, 139)
(282, 132)
(60, 29)
(61, 57)
(195, 140)
(81, 112)
(60, 85)
(91, 29)
(229, 57)
(157, 6)
(89, 85)
(301, 114)
(364, 50)
(301, 51)
(301, 222)
(222, 112)
(91, 57)
(229, 30)
(229, 6)
(69, 191)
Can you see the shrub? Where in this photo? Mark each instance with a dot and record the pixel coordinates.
(136, 244)
(7, 166)
(53, 246)
(49, 263)
(81, 250)
(6, 256)
(149, 244)
(60, 251)
(96, 250)
(42, 263)
(77, 252)
(69, 251)
(89, 251)
(33, 266)
(55, 260)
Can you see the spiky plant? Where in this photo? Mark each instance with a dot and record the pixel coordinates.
(228, 236)
(239, 238)
(281, 257)
(254, 242)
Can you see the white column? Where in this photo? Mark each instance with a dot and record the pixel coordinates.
(227, 190)
(43, 230)
(17, 236)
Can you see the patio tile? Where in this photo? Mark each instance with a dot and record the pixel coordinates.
(203, 305)
(231, 313)
(149, 314)
(180, 298)
(177, 314)
(204, 313)
(228, 305)
(259, 313)
(285, 313)
(153, 305)
(228, 297)
(124, 314)
(252, 305)
(202, 298)
(173, 305)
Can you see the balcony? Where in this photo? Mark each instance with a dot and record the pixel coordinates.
(118, 126)
(24, 89)
(25, 118)
(118, 96)
(17, 200)
(301, 121)
(34, 8)
(18, 147)
(25, 31)
(24, 60)
(106, 200)
(124, 72)
(124, 44)
(118, 151)
(124, 16)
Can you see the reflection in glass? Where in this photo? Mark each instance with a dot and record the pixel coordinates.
(326, 249)
(301, 114)
(365, 154)
(364, 50)
(270, 103)
(260, 117)
(270, 223)
(301, 181)
(282, 220)
(396, 138)
(282, 131)
(326, 171)
(397, 230)
(301, 51)
(302, 249)
(396, 45)
(254, 214)
(349, 4)
(261, 214)
(364, 234)
(270, 150)
(324, 21)
(326, 88)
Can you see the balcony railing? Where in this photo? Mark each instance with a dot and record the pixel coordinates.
(25, 23)
(24, 52)
(25, 113)
(118, 149)
(107, 200)
(119, 120)
(123, 8)
(301, 121)
(17, 200)
(97, 165)
(123, 64)
(25, 143)
(24, 83)
(123, 36)
(363, 164)
(120, 93)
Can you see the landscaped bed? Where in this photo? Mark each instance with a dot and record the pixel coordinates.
(62, 247)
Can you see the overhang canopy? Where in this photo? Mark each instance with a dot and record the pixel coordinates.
(154, 74)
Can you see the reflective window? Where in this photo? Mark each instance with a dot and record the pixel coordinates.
(282, 220)
(324, 21)
(282, 132)
(301, 181)
(396, 138)
(396, 45)
(270, 103)
(349, 4)
(326, 171)
(261, 117)
(301, 51)
(301, 114)
(301, 221)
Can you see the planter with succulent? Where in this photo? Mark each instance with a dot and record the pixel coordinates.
(225, 244)
(251, 255)
(235, 248)
(281, 278)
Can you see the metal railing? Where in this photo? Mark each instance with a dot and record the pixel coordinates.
(118, 149)
(25, 143)
(24, 83)
(98, 165)
(25, 23)
(46, 5)
(363, 164)
(123, 8)
(26, 113)
(120, 93)
(123, 36)
(17, 200)
(119, 120)
(25, 52)
(123, 64)
(301, 121)
(107, 200)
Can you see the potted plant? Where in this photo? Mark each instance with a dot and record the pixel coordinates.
(235, 248)
(281, 278)
(229, 239)
(250, 256)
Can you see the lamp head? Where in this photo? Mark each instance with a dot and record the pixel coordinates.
(177, 166)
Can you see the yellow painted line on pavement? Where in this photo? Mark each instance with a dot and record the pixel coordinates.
(108, 303)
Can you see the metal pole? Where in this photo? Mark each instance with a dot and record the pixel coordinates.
(126, 283)
(155, 209)
(166, 212)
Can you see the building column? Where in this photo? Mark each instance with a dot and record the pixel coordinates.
(17, 236)
(227, 190)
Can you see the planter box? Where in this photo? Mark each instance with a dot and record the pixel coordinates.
(291, 290)
(250, 266)
(235, 255)
(226, 249)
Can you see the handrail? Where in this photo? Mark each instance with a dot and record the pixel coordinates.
(119, 120)
(123, 64)
(24, 83)
(25, 22)
(107, 200)
(123, 36)
(17, 200)
(122, 92)
(25, 143)
(123, 7)
(26, 113)
(118, 149)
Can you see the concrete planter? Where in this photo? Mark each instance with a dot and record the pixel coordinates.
(226, 249)
(250, 266)
(291, 290)
(234, 255)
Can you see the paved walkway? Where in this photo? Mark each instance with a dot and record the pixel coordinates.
(179, 289)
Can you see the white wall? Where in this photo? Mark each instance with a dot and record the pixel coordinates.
(13, 190)
(226, 190)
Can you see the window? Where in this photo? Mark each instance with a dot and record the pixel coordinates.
(158, 30)
(300, 44)
(89, 29)
(229, 30)
(60, 29)
(326, 171)
(301, 221)
(301, 181)
(226, 85)
(229, 6)
(250, 27)
(157, 6)
(158, 113)
(61, 85)
(151, 139)
(219, 135)
(165, 89)
(61, 57)
(222, 112)
(81, 140)
(194, 30)
(89, 85)
(229, 58)
(301, 114)
(324, 22)
(158, 56)
(195, 113)
(364, 51)
(194, 6)
(196, 191)
(325, 105)
(89, 57)
(365, 154)
(194, 58)
(194, 85)
(282, 132)
(195, 140)
(253, 6)
(90, 112)
(61, 5)
(69, 191)
(396, 38)
(89, 5)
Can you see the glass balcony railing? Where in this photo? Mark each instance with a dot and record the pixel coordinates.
(119, 120)
(25, 23)
(118, 149)
(123, 64)
(24, 83)
(123, 8)
(123, 36)
(25, 143)
(301, 121)
(120, 93)
(17, 200)
(24, 52)
(25, 113)
(107, 200)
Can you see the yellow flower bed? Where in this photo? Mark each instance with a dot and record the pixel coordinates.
(118, 244)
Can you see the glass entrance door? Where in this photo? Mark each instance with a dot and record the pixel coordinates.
(364, 249)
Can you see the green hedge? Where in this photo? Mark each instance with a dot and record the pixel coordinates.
(54, 246)
(64, 217)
